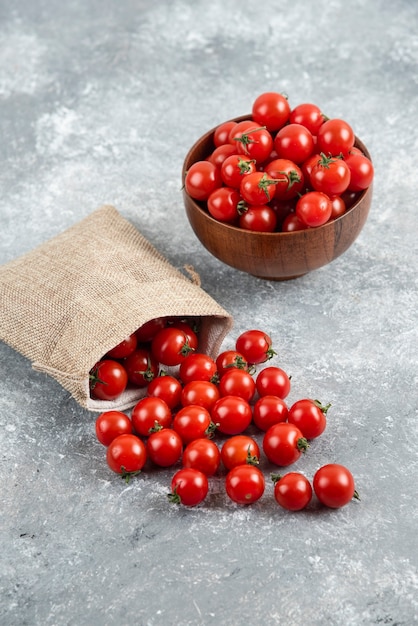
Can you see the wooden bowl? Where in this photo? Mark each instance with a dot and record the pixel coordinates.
(273, 256)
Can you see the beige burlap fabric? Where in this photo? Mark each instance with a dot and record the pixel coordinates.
(73, 298)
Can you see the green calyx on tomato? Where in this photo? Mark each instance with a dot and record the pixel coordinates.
(323, 407)
(302, 444)
(252, 459)
(126, 476)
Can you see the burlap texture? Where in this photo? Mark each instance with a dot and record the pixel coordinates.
(73, 298)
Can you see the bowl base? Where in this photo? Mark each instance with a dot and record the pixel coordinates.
(281, 278)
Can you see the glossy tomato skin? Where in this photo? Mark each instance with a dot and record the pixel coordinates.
(245, 484)
(271, 109)
(309, 416)
(222, 132)
(269, 410)
(283, 444)
(314, 208)
(257, 188)
(231, 414)
(289, 176)
(238, 450)
(193, 422)
(189, 487)
(141, 367)
(237, 382)
(108, 380)
(110, 425)
(292, 224)
(223, 203)
(148, 413)
(331, 176)
(261, 219)
(202, 178)
(234, 168)
(200, 392)
(361, 171)
(164, 447)
(221, 153)
(273, 381)
(256, 143)
(255, 345)
(148, 330)
(166, 387)
(126, 454)
(171, 345)
(203, 455)
(334, 485)
(230, 359)
(197, 366)
(124, 348)
(335, 137)
(308, 115)
(293, 491)
(294, 142)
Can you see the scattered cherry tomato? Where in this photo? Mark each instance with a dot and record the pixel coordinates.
(238, 450)
(203, 455)
(273, 381)
(164, 447)
(110, 425)
(309, 416)
(237, 382)
(229, 359)
(197, 366)
(149, 413)
(193, 422)
(284, 443)
(126, 455)
(231, 414)
(334, 485)
(189, 487)
(245, 484)
(167, 388)
(171, 345)
(293, 491)
(201, 392)
(255, 346)
(269, 410)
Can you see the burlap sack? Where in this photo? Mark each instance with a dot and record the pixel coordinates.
(73, 298)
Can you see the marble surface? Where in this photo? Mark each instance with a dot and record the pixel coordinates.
(99, 103)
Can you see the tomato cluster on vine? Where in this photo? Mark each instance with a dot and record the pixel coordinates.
(281, 170)
(197, 418)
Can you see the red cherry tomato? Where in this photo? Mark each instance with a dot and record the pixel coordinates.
(237, 382)
(108, 380)
(283, 444)
(147, 331)
(361, 171)
(256, 143)
(262, 219)
(289, 176)
(223, 204)
(238, 130)
(257, 188)
(110, 425)
(335, 137)
(293, 491)
(222, 132)
(189, 487)
(269, 410)
(141, 367)
(171, 345)
(314, 208)
(164, 447)
(294, 142)
(124, 348)
(245, 484)
(238, 450)
(234, 168)
(149, 413)
(201, 179)
(201, 392)
(309, 115)
(231, 414)
(292, 224)
(338, 207)
(309, 416)
(203, 455)
(334, 485)
(255, 345)
(126, 455)
(167, 388)
(221, 153)
(193, 422)
(330, 175)
(197, 366)
(229, 359)
(273, 381)
(271, 110)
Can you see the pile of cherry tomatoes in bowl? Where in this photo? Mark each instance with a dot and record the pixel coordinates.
(280, 169)
(217, 417)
